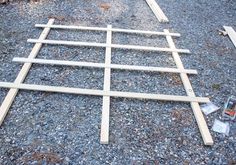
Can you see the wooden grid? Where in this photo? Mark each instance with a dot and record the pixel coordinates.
(106, 93)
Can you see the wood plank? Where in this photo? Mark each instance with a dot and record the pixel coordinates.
(157, 11)
(92, 44)
(104, 139)
(104, 93)
(7, 102)
(101, 65)
(105, 29)
(207, 138)
(231, 33)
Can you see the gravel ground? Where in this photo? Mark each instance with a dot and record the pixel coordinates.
(48, 128)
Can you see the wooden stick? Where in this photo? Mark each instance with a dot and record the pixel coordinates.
(189, 90)
(7, 102)
(104, 93)
(105, 29)
(104, 139)
(157, 11)
(91, 44)
(231, 33)
(101, 65)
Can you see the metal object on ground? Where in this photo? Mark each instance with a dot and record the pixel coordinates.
(229, 111)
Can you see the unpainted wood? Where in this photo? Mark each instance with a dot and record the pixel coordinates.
(231, 33)
(157, 11)
(101, 65)
(202, 125)
(91, 44)
(104, 139)
(104, 93)
(7, 102)
(105, 29)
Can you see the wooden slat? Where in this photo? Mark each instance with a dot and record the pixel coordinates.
(231, 33)
(157, 11)
(207, 138)
(105, 29)
(101, 65)
(104, 139)
(91, 44)
(7, 102)
(104, 93)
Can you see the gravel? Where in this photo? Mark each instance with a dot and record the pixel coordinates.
(49, 128)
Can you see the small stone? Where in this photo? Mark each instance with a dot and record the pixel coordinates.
(184, 142)
(67, 159)
(34, 162)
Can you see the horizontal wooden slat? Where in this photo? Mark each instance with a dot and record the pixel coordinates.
(104, 93)
(91, 44)
(105, 29)
(101, 65)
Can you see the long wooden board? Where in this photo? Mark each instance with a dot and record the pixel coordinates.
(231, 33)
(102, 65)
(91, 44)
(104, 93)
(104, 139)
(105, 29)
(207, 138)
(157, 11)
(7, 102)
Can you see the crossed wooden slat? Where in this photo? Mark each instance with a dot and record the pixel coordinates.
(106, 93)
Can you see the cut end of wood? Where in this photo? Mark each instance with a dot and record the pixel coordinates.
(177, 35)
(29, 40)
(195, 72)
(188, 51)
(15, 59)
(104, 141)
(205, 99)
(157, 10)
(209, 143)
(51, 20)
(164, 20)
(2, 117)
(38, 25)
(231, 33)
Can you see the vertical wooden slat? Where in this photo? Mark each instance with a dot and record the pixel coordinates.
(107, 83)
(7, 102)
(207, 138)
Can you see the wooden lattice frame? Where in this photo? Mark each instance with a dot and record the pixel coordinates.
(106, 93)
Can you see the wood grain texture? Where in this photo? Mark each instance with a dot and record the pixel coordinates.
(92, 44)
